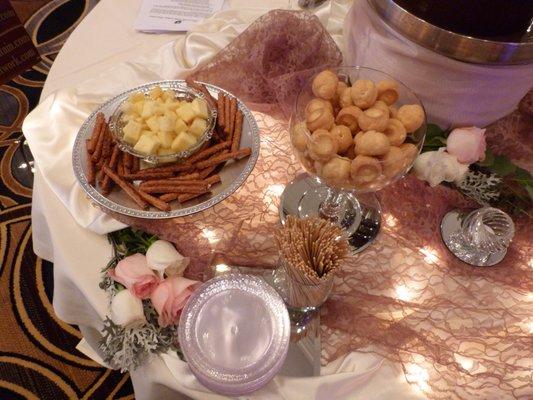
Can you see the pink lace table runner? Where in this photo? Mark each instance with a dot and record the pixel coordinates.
(458, 331)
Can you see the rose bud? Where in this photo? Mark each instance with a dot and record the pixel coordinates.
(127, 310)
(134, 274)
(467, 144)
(170, 297)
(162, 256)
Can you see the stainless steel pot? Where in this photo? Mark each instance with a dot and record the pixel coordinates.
(455, 45)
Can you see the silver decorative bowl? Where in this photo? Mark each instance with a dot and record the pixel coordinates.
(182, 92)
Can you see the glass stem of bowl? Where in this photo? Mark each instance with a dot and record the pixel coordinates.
(331, 206)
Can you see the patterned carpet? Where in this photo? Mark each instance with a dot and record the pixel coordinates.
(38, 359)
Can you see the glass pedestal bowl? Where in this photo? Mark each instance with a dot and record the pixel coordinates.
(350, 151)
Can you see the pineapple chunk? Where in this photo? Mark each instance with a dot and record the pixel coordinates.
(171, 105)
(149, 109)
(153, 123)
(131, 132)
(156, 93)
(138, 107)
(160, 108)
(168, 95)
(197, 127)
(166, 138)
(164, 151)
(147, 144)
(127, 107)
(183, 141)
(136, 97)
(180, 126)
(186, 112)
(200, 108)
(167, 122)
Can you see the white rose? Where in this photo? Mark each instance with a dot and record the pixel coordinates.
(162, 256)
(127, 310)
(437, 166)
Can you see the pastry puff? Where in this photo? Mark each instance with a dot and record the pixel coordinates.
(320, 119)
(371, 143)
(325, 85)
(344, 137)
(373, 119)
(364, 93)
(364, 170)
(411, 116)
(336, 170)
(345, 98)
(393, 162)
(300, 136)
(347, 116)
(341, 87)
(388, 92)
(322, 146)
(317, 104)
(410, 151)
(395, 131)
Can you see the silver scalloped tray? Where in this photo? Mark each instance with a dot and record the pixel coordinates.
(232, 175)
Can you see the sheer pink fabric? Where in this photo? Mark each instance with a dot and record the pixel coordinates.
(459, 332)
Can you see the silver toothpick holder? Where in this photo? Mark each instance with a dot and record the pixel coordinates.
(479, 237)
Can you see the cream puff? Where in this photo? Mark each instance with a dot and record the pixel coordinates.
(347, 116)
(411, 116)
(344, 137)
(325, 85)
(321, 118)
(322, 146)
(336, 170)
(387, 91)
(395, 132)
(364, 93)
(364, 169)
(300, 136)
(371, 143)
(373, 119)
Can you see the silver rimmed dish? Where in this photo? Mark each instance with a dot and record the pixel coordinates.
(181, 92)
(232, 176)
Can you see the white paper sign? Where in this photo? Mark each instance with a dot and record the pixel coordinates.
(174, 15)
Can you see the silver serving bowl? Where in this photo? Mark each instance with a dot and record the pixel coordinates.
(182, 92)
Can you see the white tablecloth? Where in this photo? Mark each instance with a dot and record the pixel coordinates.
(67, 230)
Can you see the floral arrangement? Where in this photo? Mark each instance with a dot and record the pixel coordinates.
(147, 292)
(460, 157)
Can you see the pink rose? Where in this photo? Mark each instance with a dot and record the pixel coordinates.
(170, 297)
(133, 272)
(467, 144)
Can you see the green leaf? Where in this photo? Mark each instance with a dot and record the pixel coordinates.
(435, 131)
(502, 166)
(489, 159)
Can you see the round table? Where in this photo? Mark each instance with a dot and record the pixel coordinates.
(78, 254)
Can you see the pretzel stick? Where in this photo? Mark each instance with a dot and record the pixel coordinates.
(209, 151)
(91, 143)
(186, 177)
(204, 173)
(232, 113)
(128, 160)
(236, 138)
(143, 176)
(126, 187)
(220, 110)
(106, 147)
(124, 164)
(212, 180)
(120, 166)
(168, 197)
(182, 198)
(99, 145)
(176, 189)
(227, 115)
(182, 167)
(202, 89)
(136, 165)
(224, 157)
(91, 173)
(163, 206)
(112, 166)
(169, 182)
